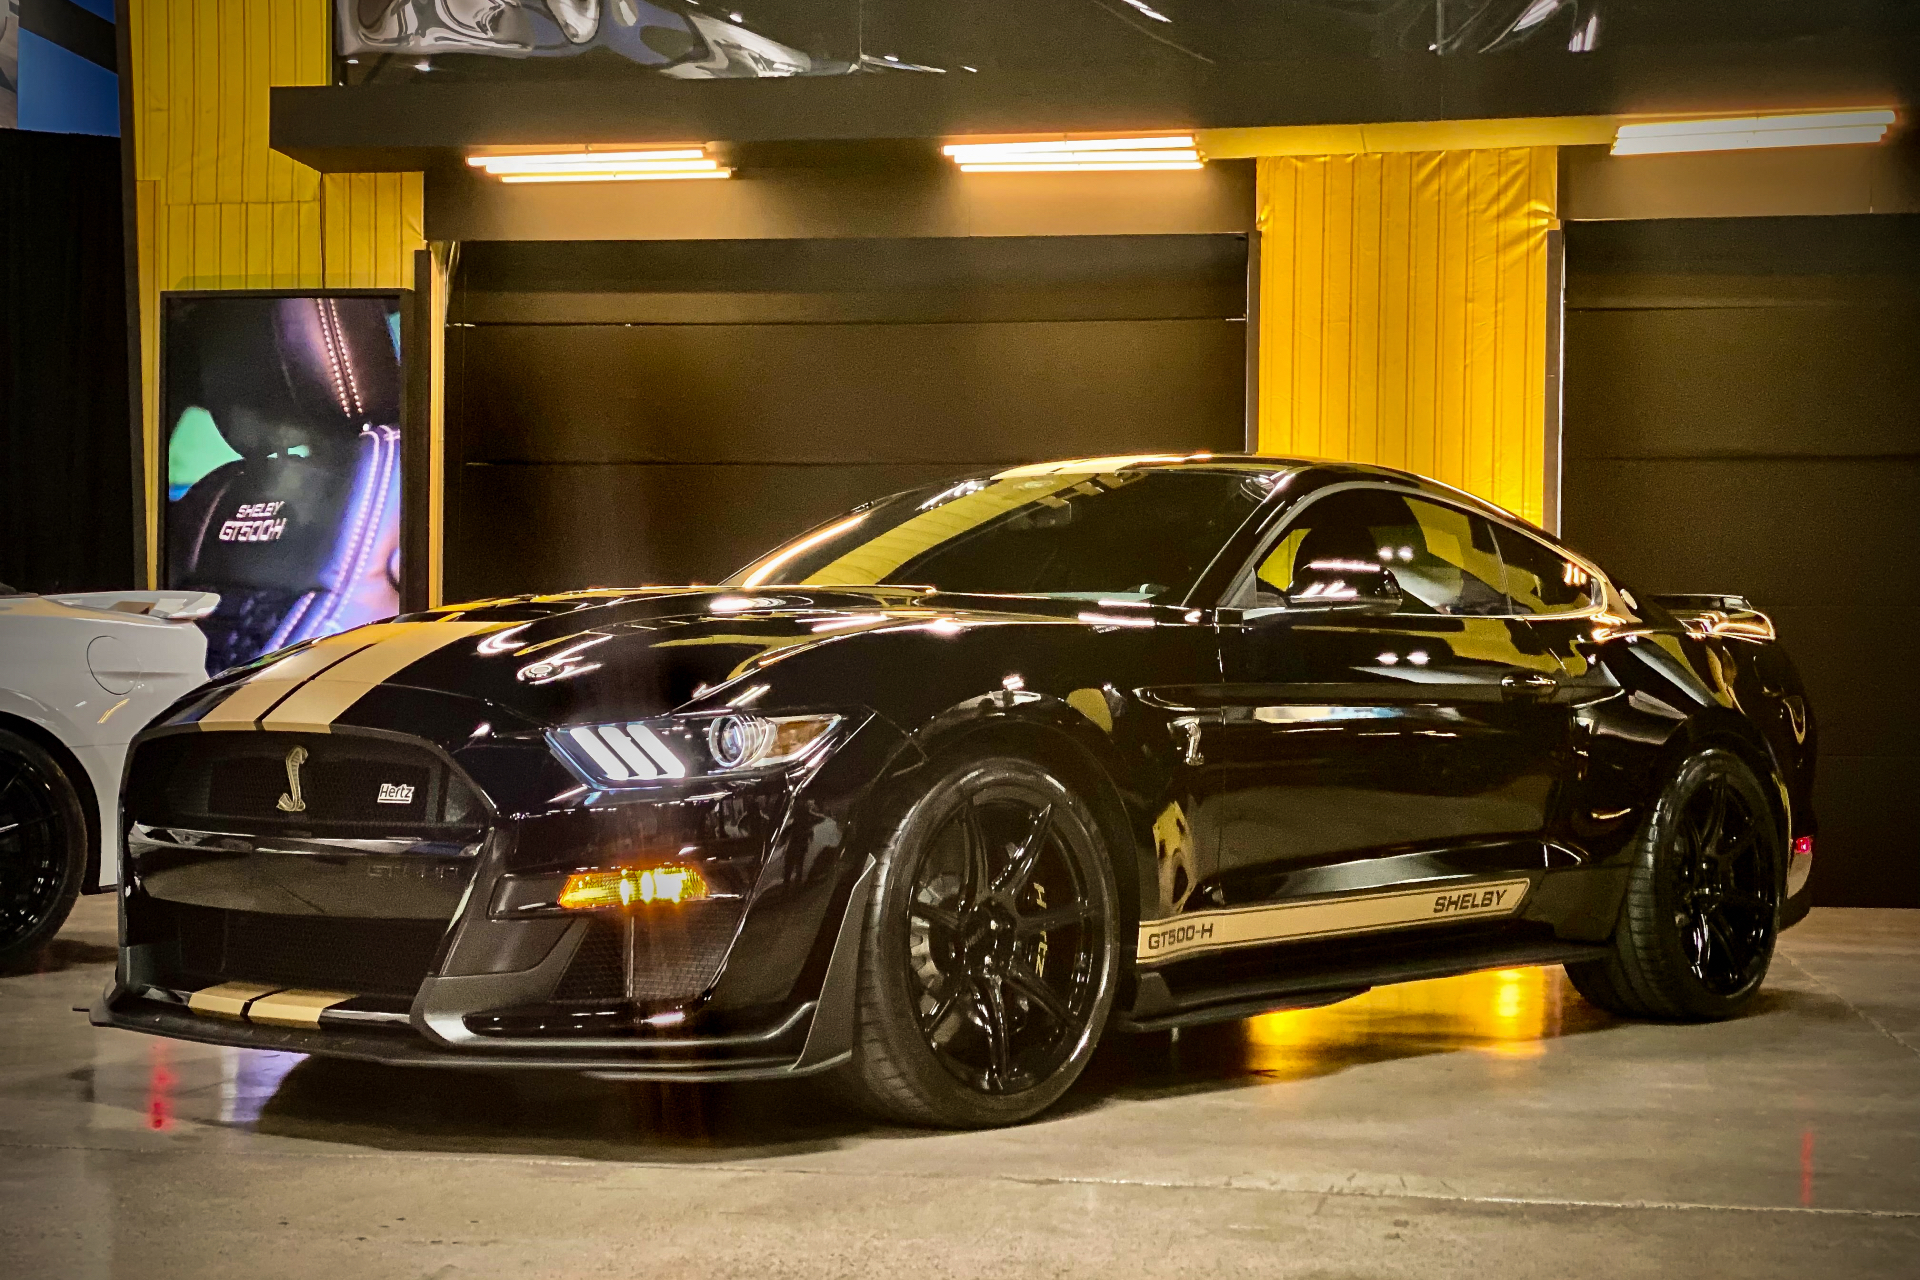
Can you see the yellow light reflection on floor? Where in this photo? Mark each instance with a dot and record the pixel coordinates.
(1508, 1013)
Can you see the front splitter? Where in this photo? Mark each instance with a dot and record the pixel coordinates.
(406, 1048)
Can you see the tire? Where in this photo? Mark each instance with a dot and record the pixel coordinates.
(979, 1006)
(43, 847)
(1702, 911)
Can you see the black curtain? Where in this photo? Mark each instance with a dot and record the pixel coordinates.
(66, 446)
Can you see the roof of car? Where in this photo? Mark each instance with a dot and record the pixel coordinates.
(1253, 463)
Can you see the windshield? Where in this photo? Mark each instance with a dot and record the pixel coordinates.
(1140, 534)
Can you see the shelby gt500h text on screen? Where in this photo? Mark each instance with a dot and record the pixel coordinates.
(927, 800)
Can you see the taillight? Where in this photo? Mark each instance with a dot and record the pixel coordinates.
(1803, 846)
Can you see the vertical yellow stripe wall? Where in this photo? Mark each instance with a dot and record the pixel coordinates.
(216, 207)
(1403, 313)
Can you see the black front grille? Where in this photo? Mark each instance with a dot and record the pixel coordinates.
(326, 953)
(334, 788)
(349, 785)
(676, 954)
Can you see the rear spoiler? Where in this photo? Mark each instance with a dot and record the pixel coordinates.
(1727, 617)
(172, 606)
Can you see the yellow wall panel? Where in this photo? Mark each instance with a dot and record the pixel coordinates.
(1403, 313)
(216, 207)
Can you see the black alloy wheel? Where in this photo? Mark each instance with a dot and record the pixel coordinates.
(988, 967)
(1725, 896)
(1702, 911)
(43, 847)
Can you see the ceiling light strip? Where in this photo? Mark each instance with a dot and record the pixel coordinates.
(575, 157)
(982, 150)
(596, 166)
(611, 177)
(1747, 124)
(629, 165)
(1086, 157)
(1118, 166)
(1742, 133)
(1160, 153)
(1747, 141)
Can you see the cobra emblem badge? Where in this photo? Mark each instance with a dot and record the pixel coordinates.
(292, 801)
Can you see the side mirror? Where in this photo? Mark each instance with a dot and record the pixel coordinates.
(1344, 586)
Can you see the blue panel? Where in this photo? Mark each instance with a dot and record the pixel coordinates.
(98, 8)
(61, 92)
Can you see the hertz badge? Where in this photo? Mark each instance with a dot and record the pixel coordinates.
(291, 800)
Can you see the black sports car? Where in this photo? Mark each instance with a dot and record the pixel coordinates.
(928, 799)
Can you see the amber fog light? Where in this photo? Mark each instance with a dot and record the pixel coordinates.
(624, 886)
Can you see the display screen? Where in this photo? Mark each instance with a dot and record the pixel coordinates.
(282, 464)
(399, 40)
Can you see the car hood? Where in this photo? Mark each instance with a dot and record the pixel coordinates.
(552, 660)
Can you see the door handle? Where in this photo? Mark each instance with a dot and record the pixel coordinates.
(1531, 684)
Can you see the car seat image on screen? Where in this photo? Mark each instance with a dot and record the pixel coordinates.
(283, 465)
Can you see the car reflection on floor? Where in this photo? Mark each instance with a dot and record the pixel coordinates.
(1506, 1015)
(1509, 1013)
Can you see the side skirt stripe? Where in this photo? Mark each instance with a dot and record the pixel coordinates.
(1197, 932)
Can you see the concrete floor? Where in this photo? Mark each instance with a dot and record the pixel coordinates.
(1485, 1126)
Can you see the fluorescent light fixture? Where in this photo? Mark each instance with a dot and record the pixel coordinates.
(1076, 155)
(611, 177)
(664, 163)
(1745, 133)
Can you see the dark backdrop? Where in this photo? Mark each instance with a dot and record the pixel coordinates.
(630, 412)
(66, 446)
(1743, 415)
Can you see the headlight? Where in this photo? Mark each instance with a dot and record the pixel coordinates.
(642, 751)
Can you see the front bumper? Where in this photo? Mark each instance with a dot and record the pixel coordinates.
(813, 1036)
(454, 959)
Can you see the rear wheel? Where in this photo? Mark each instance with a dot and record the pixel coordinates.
(988, 962)
(43, 847)
(1702, 912)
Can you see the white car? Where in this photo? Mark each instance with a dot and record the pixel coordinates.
(79, 676)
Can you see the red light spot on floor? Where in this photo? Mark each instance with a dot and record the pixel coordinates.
(1806, 1167)
(160, 1082)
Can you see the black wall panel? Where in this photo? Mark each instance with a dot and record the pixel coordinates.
(67, 502)
(646, 412)
(1743, 414)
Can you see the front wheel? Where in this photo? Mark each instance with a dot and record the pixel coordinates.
(1702, 911)
(988, 962)
(43, 847)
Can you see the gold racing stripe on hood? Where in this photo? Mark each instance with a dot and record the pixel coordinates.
(315, 705)
(253, 697)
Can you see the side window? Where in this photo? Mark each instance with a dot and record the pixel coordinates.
(1455, 566)
(1540, 579)
(1446, 561)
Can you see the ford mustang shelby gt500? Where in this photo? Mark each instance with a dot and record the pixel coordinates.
(927, 799)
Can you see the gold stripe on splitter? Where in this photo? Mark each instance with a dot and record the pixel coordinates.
(295, 1008)
(314, 706)
(228, 1000)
